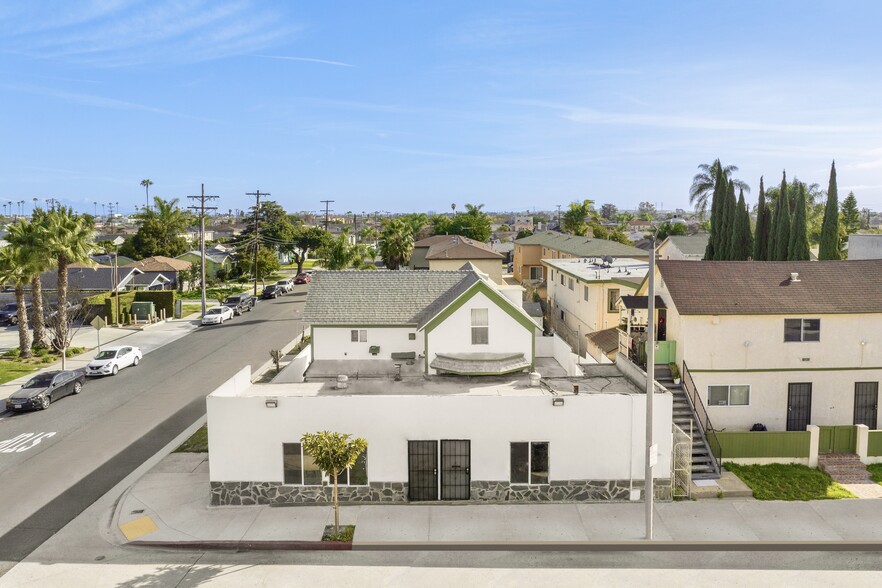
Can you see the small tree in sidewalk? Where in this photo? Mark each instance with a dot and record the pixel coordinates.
(333, 453)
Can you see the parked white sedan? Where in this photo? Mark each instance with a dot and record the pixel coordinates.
(112, 359)
(217, 315)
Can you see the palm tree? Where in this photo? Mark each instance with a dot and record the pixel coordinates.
(146, 182)
(474, 210)
(574, 220)
(13, 269)
(703, 184)
(29, 238)
(69, 240)
(396, 244)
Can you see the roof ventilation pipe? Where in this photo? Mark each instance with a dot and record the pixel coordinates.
(794, 277)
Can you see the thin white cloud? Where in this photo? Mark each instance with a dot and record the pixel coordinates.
(306, 59)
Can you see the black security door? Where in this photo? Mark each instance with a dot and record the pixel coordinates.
(422, 470)
(866, 399)
(456, 472)
(799, 406)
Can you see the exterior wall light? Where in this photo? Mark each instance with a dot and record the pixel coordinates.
(272, 403)
(557, 402)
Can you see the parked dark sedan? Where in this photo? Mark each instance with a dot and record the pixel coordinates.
(270, 292)
(9, 314)
(45, 388)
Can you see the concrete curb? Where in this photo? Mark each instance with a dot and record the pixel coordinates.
(231, 545)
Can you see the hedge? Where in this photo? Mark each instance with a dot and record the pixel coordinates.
(161, 299)
(125, 305)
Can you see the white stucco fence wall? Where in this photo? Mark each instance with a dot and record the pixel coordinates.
(593, 436)
(294, 371)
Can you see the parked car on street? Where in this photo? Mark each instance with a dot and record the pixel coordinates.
(9, 314)
(272, 291)
(217, 315)
(44, 388)
(240, 303)
(303, 278)
(287, 285)
(112, 359)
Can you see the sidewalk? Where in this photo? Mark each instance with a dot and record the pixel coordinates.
(170, 504)
(148, 339)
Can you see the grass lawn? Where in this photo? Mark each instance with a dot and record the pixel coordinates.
(875, 470)
(10, 370)
(189, 308)
(197, 443)
(788, 482)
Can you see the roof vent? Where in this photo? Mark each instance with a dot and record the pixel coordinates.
(794, 277)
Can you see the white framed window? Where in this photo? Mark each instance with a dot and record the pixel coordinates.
(585, 293)
(358, 335)
(735, 395)
(536, 272)
(356, 475)
(299, 467)
(529, 462)
(480, 327)
(802, 330)
(570, 284)
(612, 296)
(562, 280)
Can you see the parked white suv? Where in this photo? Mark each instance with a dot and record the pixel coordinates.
(287, 285)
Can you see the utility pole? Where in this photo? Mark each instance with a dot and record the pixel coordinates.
(110, 206)
(651, 448)
(327, 211)
(257, 195)
(202, 208)
(558, 217)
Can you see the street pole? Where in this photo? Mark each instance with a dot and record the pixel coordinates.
(327, 203)
(257, 195)
(651, 449)
(202, 208)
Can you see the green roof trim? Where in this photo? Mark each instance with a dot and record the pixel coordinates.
(500, 301)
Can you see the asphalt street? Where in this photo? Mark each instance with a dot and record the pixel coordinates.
(90, 442)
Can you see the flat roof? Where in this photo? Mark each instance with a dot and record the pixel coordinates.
(593, 269)
(598, 380)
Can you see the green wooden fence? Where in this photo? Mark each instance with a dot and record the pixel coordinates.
(758, 444)
(874, 443)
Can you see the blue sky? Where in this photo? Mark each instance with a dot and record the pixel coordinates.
(404, 106)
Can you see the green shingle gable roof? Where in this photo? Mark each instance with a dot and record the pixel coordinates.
(581, 246)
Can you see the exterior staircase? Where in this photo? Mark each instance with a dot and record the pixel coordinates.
(845, 468)
(704, 465)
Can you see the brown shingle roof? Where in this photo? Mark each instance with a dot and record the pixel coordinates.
(160, 263)
(457, 247)
(765, 287)
(607, 340)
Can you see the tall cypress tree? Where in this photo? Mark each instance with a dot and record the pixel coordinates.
(829, 246)
(741, 245)
(782, 230)
(710, 251)
(729, 215)
(799, 245)
(761, 242)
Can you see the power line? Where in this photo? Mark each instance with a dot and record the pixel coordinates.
(327, 211)
(201, 209)
(257, 195)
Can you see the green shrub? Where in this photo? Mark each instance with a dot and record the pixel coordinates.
(13, 353)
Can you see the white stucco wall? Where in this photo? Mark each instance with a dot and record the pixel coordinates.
(593, 436)
(454, 334)
(584, 316)
(336, 342)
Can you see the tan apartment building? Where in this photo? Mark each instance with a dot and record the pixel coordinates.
(530, 251)
(451, 252)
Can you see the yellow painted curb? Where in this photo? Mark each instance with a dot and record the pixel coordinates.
(138, 528)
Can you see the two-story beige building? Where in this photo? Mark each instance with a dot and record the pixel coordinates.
(451, 252)
(783, 344)
(530, 251)
(582, 296)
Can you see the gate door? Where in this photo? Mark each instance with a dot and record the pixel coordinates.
(422, 470)
(456, 472)
(799, 406)
(866, 399)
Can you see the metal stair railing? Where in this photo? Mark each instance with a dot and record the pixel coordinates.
(704, 422)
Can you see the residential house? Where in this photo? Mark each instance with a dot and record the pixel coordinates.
(522, 222)
(429, 368)
(783, 344)
(686, 247)
(89, 280)
(582, 296)
(530, 251)
(639, 225)
(215, 260)
(450, 252)
(160, 272)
